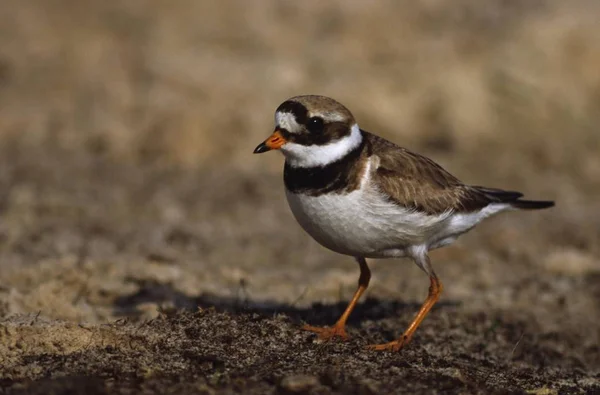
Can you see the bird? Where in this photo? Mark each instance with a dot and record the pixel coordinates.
(361, 195)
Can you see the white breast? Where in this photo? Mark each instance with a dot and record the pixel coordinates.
(362, 223)
(365, 223)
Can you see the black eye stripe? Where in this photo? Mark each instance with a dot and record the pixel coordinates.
(315, 125)
(285, 134)
(331, 132)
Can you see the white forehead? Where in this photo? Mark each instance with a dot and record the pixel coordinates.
(286, 120)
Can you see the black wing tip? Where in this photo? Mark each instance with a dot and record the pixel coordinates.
(514, 199)
(532, 204)
(499, 194)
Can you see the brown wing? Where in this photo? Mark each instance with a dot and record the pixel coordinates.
(417, 182)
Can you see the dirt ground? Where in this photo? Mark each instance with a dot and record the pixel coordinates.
(144, 249)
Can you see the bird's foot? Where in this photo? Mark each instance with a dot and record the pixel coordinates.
(394, 346)
(328, 333)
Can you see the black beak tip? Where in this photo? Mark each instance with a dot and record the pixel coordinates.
(262, 147)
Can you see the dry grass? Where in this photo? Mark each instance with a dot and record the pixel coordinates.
(126, 132)
(189, 80)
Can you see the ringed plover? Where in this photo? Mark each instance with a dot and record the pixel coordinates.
(358, 194)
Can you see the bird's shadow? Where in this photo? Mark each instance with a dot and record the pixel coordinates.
(373, 309)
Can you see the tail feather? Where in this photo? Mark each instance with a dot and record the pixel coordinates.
(513, 198)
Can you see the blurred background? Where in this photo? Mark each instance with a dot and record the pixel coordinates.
(127, 180)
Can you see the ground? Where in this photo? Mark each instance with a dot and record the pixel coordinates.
(144, 249)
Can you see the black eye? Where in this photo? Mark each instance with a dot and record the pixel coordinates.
(315, 125)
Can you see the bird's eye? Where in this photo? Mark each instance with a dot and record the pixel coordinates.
(315, 125)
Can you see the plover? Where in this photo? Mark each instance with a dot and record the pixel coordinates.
(358, 194)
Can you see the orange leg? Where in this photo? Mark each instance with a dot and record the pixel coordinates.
(327, 333)
(435, 289)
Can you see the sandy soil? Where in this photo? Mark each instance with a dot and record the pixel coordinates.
(143, 249)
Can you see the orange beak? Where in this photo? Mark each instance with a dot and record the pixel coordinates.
(275, 141)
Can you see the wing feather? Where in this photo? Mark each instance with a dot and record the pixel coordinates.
(415, 181)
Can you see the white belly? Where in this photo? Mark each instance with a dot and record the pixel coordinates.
(362, 223)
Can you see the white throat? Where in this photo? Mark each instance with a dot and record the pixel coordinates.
(297, 155)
